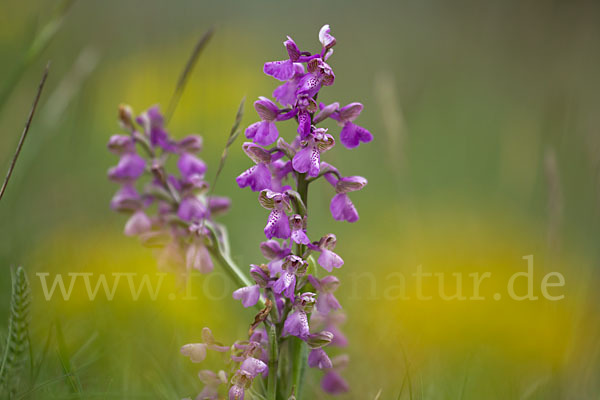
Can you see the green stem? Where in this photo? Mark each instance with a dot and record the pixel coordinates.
(299, 347)
(299, 355)
(303, 188)
(273, 360)
(234, 272)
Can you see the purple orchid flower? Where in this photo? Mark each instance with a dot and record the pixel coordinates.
(328, 259)
(126, 199)
(351, 135)
(341, 207)
(153, 123)
(121, 144)
(191, 167)
(218, 205)
(211, 381)
(284, 70)
(278, 224)
(317, 358)
(258, 177)
(326, 286)
(252, 367)
(167, 212)
(197, 257)
(190, 144)
(333, 383)
(326, 39)
(306, 106)
(197, 351)
(286, 284)
(326, 111)
(273, 250)
(265, 132)
(191, 209)
(319, 74)
(138, 224)
(307, 160)
(286, 93)
(298, 225)
(279, 171)
(236, 393)
(296, 324)
(296, 164)
(249, 295)
(130, 167)
(260, 274)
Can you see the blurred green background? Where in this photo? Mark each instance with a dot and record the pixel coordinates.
(486, 122)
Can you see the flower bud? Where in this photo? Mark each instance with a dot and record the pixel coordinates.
(328, 242)
(323, 140)
(329, 284)
(350, 184)
(319, 339)
(273, 200)
(190, 165)
(256, 153)
(325, 37)
(326, 112)
(138, 223)
(218, 205)
(207, 336)
(195, 351)
(292, 49)
(190, 144)
(120, 144)
(266, 109)
(306, 301)
(260, 274)
(272, 250)
(287, 148)
(222, 376)
(126, 199)
(191, 209)
(197, 257)
(126, 116)
(130, 167)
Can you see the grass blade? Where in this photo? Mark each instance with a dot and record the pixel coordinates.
(25, 130)
(38, 366)
(233, 135)
(39, 43)
(407, 366)
(65, 361)
(185, 74)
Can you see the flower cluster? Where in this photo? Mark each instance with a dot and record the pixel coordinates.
(170, 211)
(295, 301)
